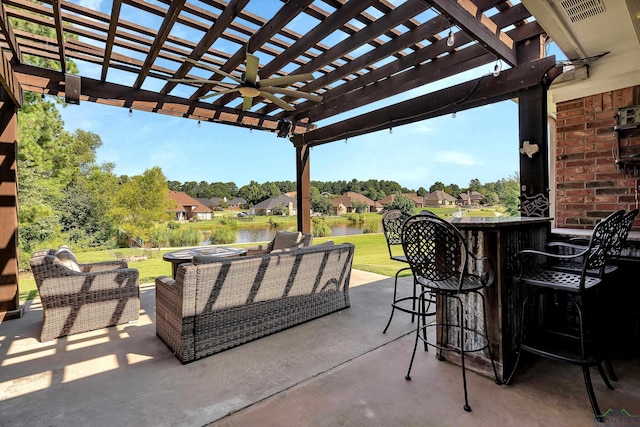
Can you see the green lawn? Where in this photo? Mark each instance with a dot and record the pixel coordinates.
(371, 249)
(371, 254)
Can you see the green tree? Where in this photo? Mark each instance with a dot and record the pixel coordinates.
(475, 185)
(437, 186)
(140, 203)
(252, 193)
(421, 191)
(509, 193)
(359, 206)
(320, 204)
(402, 202)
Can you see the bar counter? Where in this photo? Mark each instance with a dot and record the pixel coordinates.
(498, 239)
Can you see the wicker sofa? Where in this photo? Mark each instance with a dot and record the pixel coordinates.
(218, 303)
(83, 297)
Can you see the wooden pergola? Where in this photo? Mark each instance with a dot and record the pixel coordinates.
(359, 51)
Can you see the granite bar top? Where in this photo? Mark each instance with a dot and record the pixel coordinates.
(496, 222)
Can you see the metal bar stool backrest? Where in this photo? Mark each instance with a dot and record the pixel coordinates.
(603, 239)
(392, 227)
(436, 252)
(626, 221)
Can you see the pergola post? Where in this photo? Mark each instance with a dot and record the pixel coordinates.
(533, 141)
(303, 187)
(9, 296)
(534, 152)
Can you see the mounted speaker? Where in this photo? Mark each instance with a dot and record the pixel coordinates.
(72, 89)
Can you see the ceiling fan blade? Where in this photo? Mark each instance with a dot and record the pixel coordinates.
(222, 92)
(247, 103)
(293, 93)
(215, 70)
(251, 72)
(287, 80)
(279, 102)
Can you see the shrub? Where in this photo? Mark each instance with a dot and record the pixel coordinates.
(273, 223)
(174, 237)
(321, 229)
(229, 222)
(355, 218)
(370, 227)
(188, 236)
(222, 236)
(161, 235)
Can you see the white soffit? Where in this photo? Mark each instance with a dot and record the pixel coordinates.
(584, 28)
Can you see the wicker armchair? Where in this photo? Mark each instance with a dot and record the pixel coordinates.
(305, 239)
(99, 295)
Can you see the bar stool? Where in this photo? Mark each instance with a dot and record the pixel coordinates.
(585, 346)
(392, 222)
(439, 259)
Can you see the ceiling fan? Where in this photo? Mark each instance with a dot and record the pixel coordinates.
(251, 86)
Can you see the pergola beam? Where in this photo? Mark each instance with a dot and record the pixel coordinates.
(9, 35)
(452, 64)
(470, 19)
(34, 78)
(9, 81)
(460, 97)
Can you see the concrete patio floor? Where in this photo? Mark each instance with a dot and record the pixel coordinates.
(336, 370)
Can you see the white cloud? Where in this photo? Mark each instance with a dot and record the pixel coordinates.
(456, 157)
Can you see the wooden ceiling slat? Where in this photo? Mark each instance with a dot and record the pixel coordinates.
(383, 72)
(338, 18)
(392, 19)
(163, 33)
(288, 11)
(475, 25)
(111, 35)
(430, 72)
(55, 4)
(228, 14)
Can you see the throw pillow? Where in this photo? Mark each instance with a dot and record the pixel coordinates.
(286, 239)
(67, 258)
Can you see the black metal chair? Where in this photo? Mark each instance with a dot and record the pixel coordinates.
(580, 341)
(392, 222)
(440, 261)
(579, 244)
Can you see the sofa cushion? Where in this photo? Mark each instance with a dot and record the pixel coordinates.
(286, 239)
(67, 258)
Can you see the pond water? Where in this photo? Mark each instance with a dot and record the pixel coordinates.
(249, 235)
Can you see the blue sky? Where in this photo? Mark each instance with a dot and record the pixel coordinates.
(480, 143)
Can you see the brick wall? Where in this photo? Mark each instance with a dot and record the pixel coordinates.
(589, 185)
